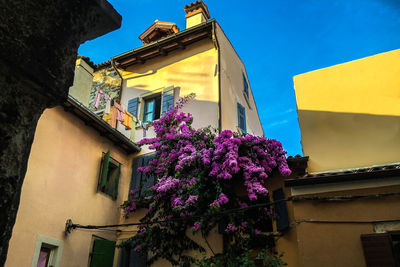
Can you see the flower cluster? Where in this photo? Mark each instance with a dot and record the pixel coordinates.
(200, 172)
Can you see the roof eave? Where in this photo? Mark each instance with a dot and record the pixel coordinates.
(105, 130)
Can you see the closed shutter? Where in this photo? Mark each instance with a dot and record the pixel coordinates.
(136, 175)
(282, 220)
(167, 99)
(378, 251)
(103, 253)
(140, 180)
(241, 118)
(133, 106)
(136, 259)
(104, 170)
(147, 180)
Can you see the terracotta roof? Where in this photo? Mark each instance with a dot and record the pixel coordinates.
(165, 45)
(87, 60)
(197, 5)
(158, 30)
(103, 64)
(389, 170)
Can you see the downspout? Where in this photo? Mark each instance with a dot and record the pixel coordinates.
(214, 37)
(119, 74)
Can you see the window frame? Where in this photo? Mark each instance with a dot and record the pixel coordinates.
(153, 94)
(245, 85)
(155, 98)
(239, 108)
(104, 178)
(56, 246)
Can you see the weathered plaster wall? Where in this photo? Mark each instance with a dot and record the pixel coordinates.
(83, 79)
(349, 114)
(61, 183)
(232, 89)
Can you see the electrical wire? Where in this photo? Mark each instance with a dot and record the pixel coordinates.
(292, 198)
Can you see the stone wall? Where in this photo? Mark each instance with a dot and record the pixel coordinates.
(108, 80)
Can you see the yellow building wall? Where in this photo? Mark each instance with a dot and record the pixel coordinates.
(83, 79)
(349, 114)
(339, 244)
(232, 89)
(192, 70)
(287, 243)
(61, 183)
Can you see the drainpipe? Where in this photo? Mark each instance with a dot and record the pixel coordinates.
(119, 74)
(214, 37)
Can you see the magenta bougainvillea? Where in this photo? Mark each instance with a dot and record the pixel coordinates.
(200, 174)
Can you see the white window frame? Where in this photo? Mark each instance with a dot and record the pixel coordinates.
(56, 247)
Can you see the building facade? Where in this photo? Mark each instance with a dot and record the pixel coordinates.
(78, 168)
(84, 159)
(343, 210)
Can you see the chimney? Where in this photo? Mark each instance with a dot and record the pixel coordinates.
(196, 13)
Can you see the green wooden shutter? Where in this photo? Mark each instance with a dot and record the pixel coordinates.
(117, 181)
(103, 253)
(104, 169)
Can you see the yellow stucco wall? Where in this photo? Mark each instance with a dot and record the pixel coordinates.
(190, 71)
(339, 244)
(232, 89)
(61, 183)
(83, 78)
(349, 114)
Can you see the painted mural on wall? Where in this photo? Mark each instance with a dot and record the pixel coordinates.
(106, 86)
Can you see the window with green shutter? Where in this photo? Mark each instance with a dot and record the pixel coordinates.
(110, 172)
(103, 253)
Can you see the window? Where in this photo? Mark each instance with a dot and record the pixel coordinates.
(241, 118)
(152, 108)
(48, 252)
(110, 172)
(245, 85)
(139, 180)
(128, 257)
(381, 250)
(102, 254)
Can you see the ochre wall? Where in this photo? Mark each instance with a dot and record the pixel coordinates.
(82, 82)
(232, 88)
(191, 70)
(61, 183)
(287, 243)
(349, 114)
(339, 244)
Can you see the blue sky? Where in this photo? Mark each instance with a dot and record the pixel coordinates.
(276, 39)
